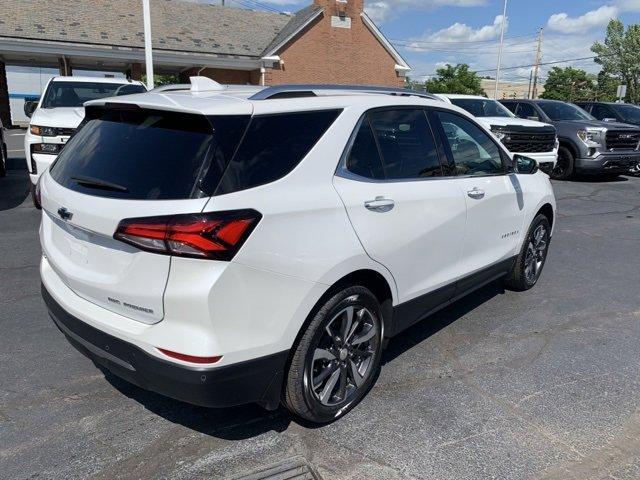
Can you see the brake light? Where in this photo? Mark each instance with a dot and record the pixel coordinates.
(214, 235)
(190, 358)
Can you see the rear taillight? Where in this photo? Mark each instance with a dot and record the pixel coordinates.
(214, 235)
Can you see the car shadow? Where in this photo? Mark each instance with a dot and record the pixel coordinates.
(424, 329)
(247, 421)
(14, 187)
(598, 179)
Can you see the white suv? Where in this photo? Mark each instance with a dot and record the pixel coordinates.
(520, 136)
(224, 250)
(55, 117)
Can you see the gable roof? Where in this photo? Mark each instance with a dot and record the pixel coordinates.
(176, 25)
(298, 22)
(401, 63)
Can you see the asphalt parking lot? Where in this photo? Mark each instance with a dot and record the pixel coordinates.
(542, 384)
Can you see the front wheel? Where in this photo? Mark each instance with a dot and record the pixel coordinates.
(564, 165)
(337, 359)
(530, 261)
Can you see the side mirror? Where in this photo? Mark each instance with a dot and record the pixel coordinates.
(525, 165)
(609, 119)
(30, 107)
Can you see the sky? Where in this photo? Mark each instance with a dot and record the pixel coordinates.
(432, 33)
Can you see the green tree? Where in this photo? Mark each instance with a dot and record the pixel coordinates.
(458, 79)
(619, 56)
(160, 80)
(568, 84)
(607, 87)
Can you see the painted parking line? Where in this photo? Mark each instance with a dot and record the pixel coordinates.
(16, 151)
(17, 135)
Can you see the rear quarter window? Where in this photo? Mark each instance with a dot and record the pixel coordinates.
(273, 146)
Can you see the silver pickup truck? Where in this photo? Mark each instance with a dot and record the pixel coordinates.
(587, 145)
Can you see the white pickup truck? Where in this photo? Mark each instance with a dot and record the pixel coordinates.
(525, 137)
(57, 114)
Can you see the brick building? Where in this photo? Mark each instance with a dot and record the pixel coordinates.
(330, 41)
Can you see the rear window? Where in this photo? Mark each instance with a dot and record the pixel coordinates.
(273, 146)
(148, 155)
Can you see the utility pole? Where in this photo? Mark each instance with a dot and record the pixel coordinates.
(148, 52)
(504, 17)
(530, 81)
(536, 69)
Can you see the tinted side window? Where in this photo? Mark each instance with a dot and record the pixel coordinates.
(364, 157)
(473, 151)
(273, 146)
(601, 111)
(511, 106)
(525, 110)
(406, 143)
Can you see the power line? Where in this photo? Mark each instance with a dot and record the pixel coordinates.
(254, 4)
(488, 70)
(455, 42)
(543, 63)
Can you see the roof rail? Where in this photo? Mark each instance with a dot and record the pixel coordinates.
(296, 91)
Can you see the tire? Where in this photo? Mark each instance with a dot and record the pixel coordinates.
(530, 261)
(34, 198)
(326, 356)
(565, 165)
(3, 160)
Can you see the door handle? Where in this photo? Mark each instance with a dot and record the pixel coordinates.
(476, 193)
(380, 204)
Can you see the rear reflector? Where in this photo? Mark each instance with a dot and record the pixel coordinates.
(190, 358)
(214, 235)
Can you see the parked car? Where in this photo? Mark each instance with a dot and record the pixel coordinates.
(587, 145)
(57, 114)
(224, 250)
(3, 152)
(613, 112)
(520, 136)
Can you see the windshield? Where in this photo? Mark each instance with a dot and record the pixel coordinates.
(481, 107)
(629, 113)
(564, 111)
(74, 94)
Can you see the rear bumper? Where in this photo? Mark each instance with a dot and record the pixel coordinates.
(252, 381)
(608, 163)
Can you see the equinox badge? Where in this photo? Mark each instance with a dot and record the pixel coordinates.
(64, 213)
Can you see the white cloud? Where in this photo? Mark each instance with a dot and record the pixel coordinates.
(455, 34)
(381, 10)
(561, 22)
(461, 32)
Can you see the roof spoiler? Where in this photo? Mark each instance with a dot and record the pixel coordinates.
(296, 91)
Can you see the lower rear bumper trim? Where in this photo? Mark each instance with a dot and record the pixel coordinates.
(253, 381)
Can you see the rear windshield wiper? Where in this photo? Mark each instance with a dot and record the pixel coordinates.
(91, 182)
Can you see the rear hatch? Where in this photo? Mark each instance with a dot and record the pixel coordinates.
(129, 162)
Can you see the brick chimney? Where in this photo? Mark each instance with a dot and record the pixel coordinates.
(349, 8)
